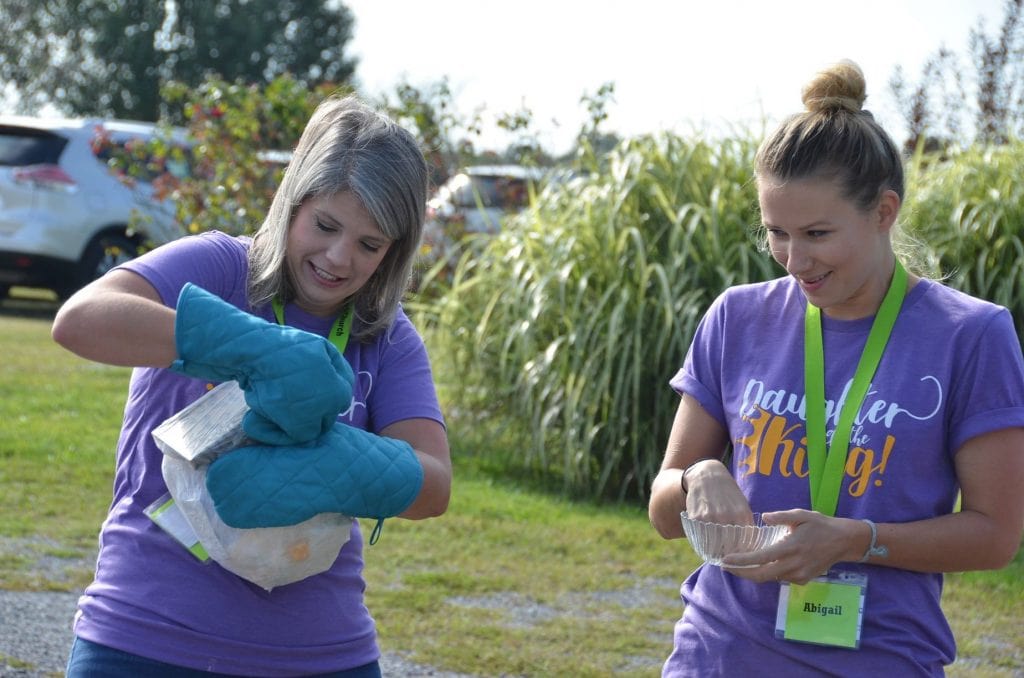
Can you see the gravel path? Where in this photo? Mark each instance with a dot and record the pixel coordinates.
(35, 627)
(35, 636)
(35, 632)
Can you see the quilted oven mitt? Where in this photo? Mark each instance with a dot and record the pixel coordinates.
(295, 382)
(348, 471)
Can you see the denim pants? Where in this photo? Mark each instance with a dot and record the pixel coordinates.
(89, 660)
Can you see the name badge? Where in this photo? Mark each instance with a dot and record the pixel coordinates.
(165, 513)
(824, 611)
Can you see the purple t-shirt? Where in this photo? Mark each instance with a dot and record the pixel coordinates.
(952, 370)
(150, 596)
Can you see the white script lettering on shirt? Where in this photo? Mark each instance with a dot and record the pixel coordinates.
(874, 410)
(349, 414)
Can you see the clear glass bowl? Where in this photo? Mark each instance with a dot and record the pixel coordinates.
(715, 541)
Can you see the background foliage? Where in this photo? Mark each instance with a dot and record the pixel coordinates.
(966, 210)
(242, 138)
(569, 324)
(571, 321)
(111, 57)
(949, 106)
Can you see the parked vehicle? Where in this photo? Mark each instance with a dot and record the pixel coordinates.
(65, 218)
(475, 200)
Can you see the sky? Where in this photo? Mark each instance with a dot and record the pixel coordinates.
(678, 65)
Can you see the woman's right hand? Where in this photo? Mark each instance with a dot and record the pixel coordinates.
(712, 494)
(696, 436)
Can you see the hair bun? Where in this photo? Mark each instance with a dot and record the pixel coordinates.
(838, 87)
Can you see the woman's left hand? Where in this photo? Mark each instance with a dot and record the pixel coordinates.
(814, 544)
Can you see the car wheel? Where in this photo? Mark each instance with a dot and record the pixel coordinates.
(105, 252)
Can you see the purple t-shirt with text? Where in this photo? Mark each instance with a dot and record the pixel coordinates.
(150, 596)
(952, 370)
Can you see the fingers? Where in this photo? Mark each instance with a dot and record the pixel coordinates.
(772, 573)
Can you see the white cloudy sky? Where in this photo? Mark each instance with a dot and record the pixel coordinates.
(675, 63)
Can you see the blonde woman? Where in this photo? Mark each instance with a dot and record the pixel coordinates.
(859, 400)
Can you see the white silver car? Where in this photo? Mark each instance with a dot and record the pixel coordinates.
(65, 218)
(475, 200)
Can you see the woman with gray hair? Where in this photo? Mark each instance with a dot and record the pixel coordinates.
(343, 414)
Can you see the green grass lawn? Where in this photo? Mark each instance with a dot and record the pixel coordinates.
(510, 581)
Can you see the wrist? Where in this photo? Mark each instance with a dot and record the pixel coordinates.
(682, 476)
(874, 549)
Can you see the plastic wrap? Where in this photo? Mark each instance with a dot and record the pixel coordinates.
(268, 557)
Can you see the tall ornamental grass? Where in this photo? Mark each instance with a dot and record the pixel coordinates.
(570, 323)
(967, 210)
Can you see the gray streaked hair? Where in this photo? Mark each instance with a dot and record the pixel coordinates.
(348, 146)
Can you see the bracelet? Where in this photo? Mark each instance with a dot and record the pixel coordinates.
(682, 476)
(874, 550)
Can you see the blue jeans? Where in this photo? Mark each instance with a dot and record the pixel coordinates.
(89, 660)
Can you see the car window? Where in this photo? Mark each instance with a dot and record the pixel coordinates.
(490, 191)
(20, 147)
(511, 192)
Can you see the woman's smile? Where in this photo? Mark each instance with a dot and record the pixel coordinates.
(813, 284)
(324, 276)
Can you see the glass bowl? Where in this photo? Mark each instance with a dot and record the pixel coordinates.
(715, 541)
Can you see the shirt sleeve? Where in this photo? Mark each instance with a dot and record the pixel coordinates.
(701, 376)
(988, 394)
(405, 384)
(212, 260)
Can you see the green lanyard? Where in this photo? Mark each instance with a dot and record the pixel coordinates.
(827, 467)
(339, 330)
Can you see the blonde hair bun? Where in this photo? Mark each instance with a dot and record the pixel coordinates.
(841, 86)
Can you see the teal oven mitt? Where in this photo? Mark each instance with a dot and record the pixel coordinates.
(295, 382)
(348, 471)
